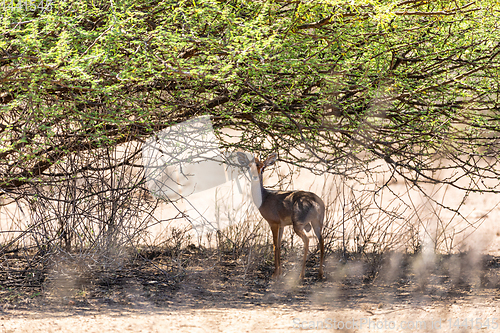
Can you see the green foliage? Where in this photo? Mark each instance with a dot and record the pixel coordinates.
(404, 80)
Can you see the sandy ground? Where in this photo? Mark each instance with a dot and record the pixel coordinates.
(461, 316)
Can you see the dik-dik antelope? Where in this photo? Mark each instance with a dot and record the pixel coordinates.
(300, 209)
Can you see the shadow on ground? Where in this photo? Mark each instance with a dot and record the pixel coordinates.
(208, 279)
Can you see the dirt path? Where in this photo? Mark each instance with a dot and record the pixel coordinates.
(369, 318)
(321, 307)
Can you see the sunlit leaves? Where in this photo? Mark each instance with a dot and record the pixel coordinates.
(390, 72)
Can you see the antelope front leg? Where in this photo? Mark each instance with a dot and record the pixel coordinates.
(277, 233)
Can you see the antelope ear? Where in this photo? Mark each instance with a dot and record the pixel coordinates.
(243, 159)
(270, 159)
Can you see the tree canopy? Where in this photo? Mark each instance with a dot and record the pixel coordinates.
(327, 83)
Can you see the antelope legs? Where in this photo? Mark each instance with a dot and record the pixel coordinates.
(277, 235)
(305, 239)
(322, 252)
